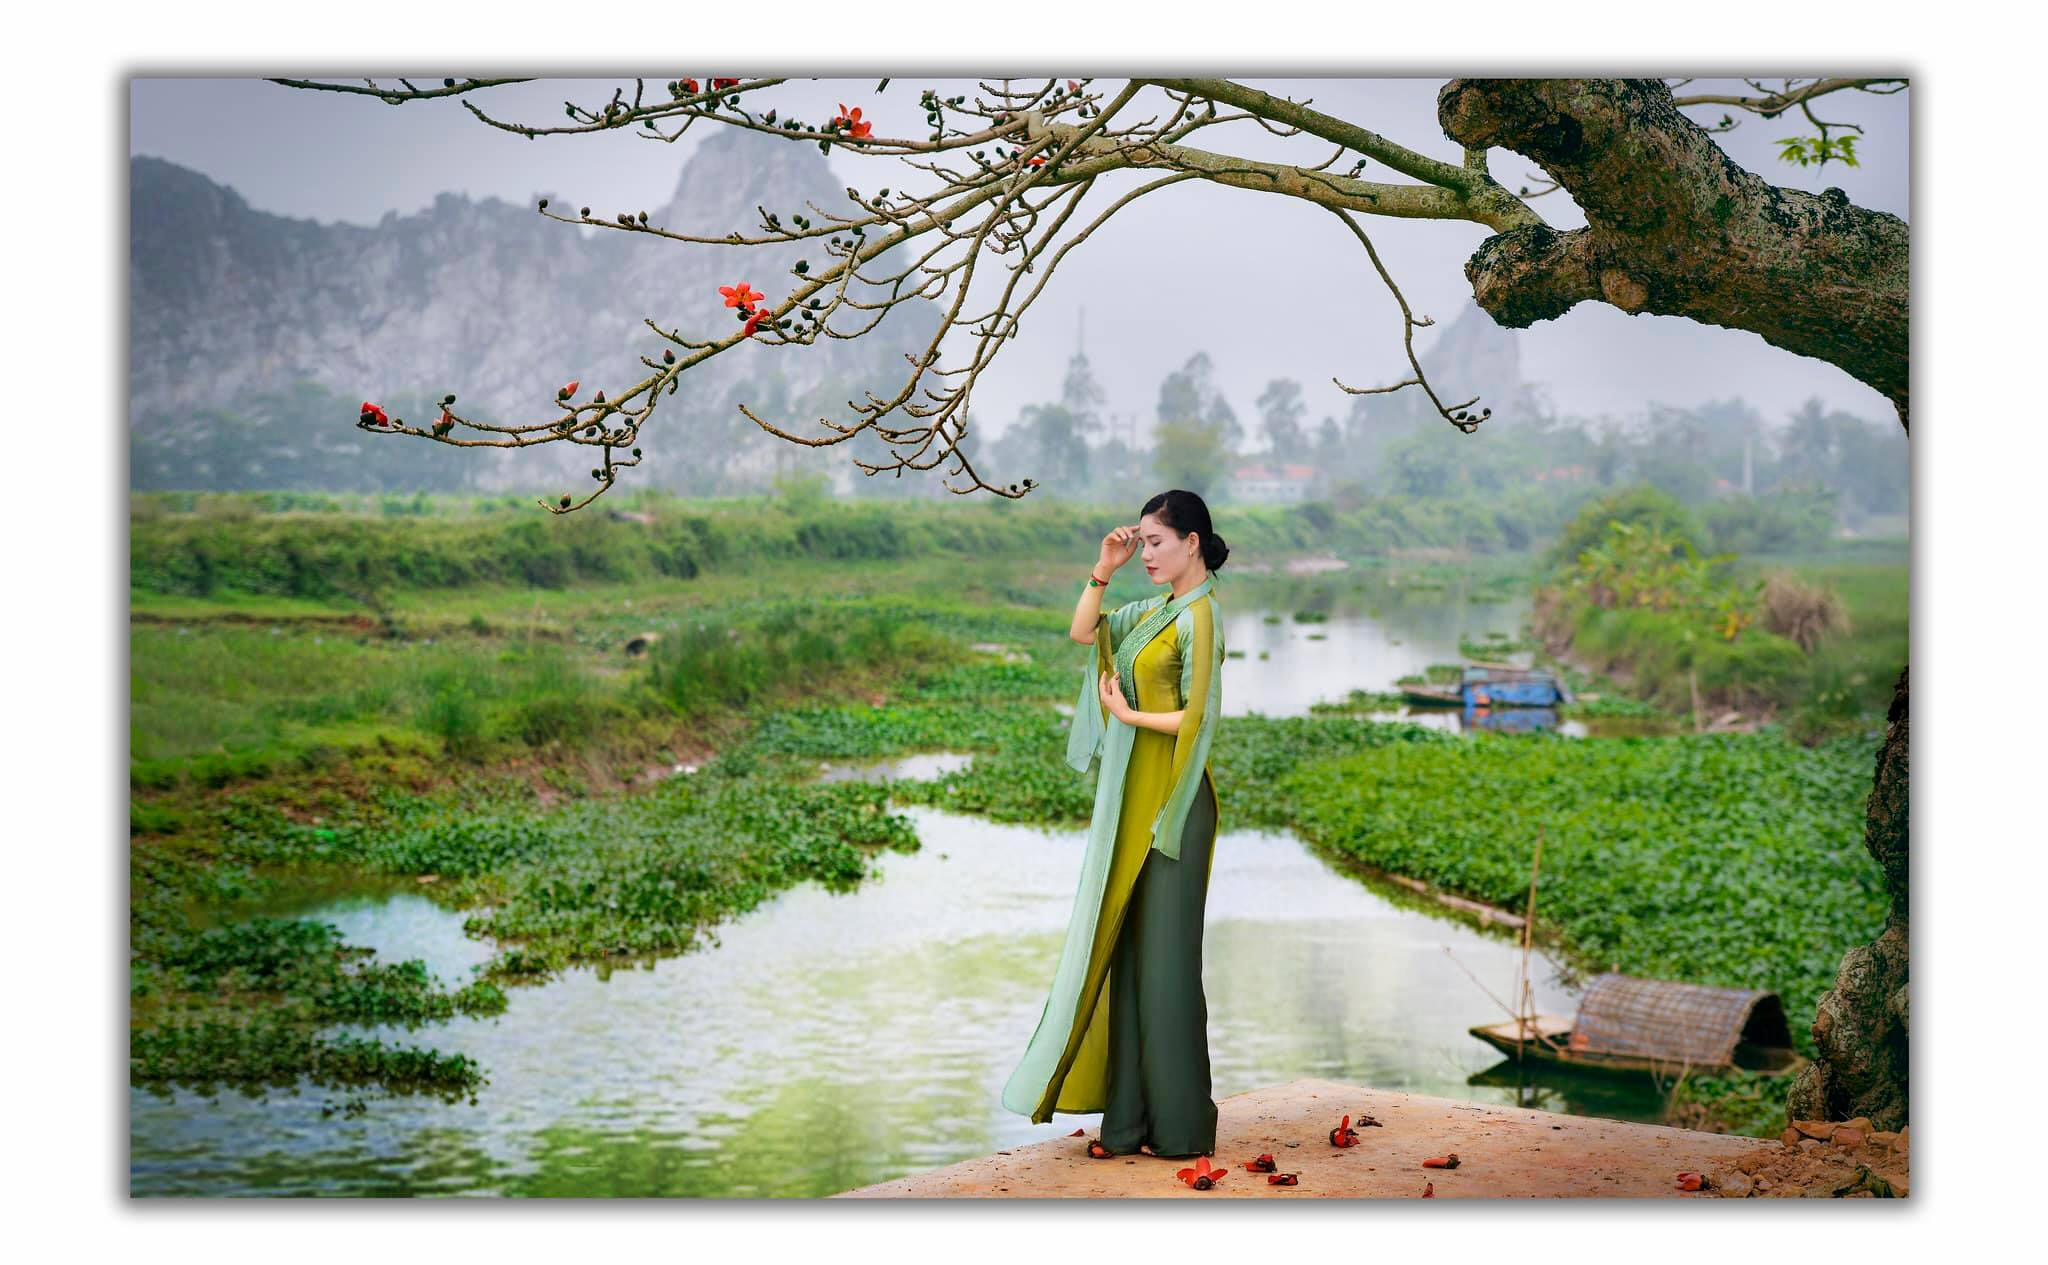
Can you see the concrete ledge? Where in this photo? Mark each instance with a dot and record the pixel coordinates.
(1503, 1151)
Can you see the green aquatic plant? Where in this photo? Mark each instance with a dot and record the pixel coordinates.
(1362, 701)
(1494, 645)
(1732, 859)
(246, 1005)
(1736, 1101)
(264, 1050)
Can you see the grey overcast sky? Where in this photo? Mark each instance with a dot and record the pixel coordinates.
(1267, 286)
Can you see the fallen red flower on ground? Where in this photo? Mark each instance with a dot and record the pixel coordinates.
(1203, 1175)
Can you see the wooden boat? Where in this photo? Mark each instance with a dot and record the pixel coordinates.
(1663, 1026)
(1433, 695)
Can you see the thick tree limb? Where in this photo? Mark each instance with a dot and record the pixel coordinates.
(1676, 227)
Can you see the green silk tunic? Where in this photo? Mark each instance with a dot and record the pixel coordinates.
(1144, 786)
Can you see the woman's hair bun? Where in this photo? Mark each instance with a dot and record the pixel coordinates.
(1214, 551)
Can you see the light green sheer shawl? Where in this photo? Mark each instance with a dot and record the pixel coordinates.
(1099, 741)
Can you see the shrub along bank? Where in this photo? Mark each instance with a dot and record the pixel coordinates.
(1629, 594)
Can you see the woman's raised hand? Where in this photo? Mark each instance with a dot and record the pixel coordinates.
(1118, 546)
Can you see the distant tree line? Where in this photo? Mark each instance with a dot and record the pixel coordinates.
(1821, 468)
(1755, 487)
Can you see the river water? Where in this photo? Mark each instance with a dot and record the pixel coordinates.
(826, 1041)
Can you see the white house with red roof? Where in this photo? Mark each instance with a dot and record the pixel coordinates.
(1273, 485)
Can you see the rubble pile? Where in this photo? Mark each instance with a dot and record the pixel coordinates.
(1821, 1159)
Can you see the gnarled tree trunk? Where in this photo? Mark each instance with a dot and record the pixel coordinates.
(1674, 226)
(1861, 1026)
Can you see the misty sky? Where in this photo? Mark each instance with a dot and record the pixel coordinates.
(1268, 286)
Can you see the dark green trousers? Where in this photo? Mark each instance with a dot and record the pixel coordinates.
(1159, 1020)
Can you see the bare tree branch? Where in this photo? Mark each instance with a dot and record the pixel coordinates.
(1455, 414)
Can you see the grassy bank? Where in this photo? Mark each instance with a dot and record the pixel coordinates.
(337, 549)
(1848, 679)
(1812, 640)
(1842, 685)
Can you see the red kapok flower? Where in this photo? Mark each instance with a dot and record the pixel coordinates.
(373, 415)
(760, 316)
(689, 85)
(1073, 85)
(1343, 1134)
(742, 296)
(1202, 1175)
(720, 85)
(569, 390)
(851, 121)
(1263, 1164)
(1077, 1133)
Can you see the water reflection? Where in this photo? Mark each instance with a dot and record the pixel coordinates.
(1371, 649)
(921, 767)
(1638, 1096)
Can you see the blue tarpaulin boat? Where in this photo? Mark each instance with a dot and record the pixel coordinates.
(1492, 686)
(1497, 685)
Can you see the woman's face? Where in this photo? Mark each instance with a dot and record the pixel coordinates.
(1167, 554)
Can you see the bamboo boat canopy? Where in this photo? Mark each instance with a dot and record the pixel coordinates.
(1678, 1023)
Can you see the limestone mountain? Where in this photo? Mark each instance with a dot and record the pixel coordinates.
(253, 337)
